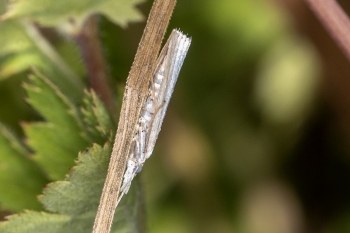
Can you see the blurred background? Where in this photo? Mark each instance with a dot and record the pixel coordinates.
(256, 138)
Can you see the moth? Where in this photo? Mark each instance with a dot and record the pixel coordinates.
(160, 90)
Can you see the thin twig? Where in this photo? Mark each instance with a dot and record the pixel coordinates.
(90, 48)
(134, 96)
(335, 20)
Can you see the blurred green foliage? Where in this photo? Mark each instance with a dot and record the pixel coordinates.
(18, 193)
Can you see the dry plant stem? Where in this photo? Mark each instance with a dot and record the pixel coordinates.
(134, 96)
(92, 54)
(335, 20)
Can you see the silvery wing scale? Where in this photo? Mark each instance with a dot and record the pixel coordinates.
(160, 90)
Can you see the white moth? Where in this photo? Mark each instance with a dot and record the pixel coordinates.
(161, 88)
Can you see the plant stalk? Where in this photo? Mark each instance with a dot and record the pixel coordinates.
(335, 20)
(135, 94)
(92, 54)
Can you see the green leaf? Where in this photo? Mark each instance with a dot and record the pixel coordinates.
(75, 201)
(75, 194)
(18, 63)
(20, 178)
(57, 141)
(70, 15)
(22, 46)
(13, 38)
(32, 221)
(71, 203)
(98, 122)
(17, 51)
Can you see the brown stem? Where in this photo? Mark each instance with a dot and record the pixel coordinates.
(135, 94)
(92, 54)
(335, 20)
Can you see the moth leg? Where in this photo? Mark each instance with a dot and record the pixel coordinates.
(131, 165)
(128, 177)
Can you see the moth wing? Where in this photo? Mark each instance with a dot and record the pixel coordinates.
(169, 64)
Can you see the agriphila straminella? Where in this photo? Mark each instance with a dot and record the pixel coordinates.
(152, 114)
(148, 89)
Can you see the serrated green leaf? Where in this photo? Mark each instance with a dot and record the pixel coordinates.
(96, 118)
(78, 193)
(70, 15)
(71, 203)
(56, 142)
(76, 199)
(34, 222)
(20, 178)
